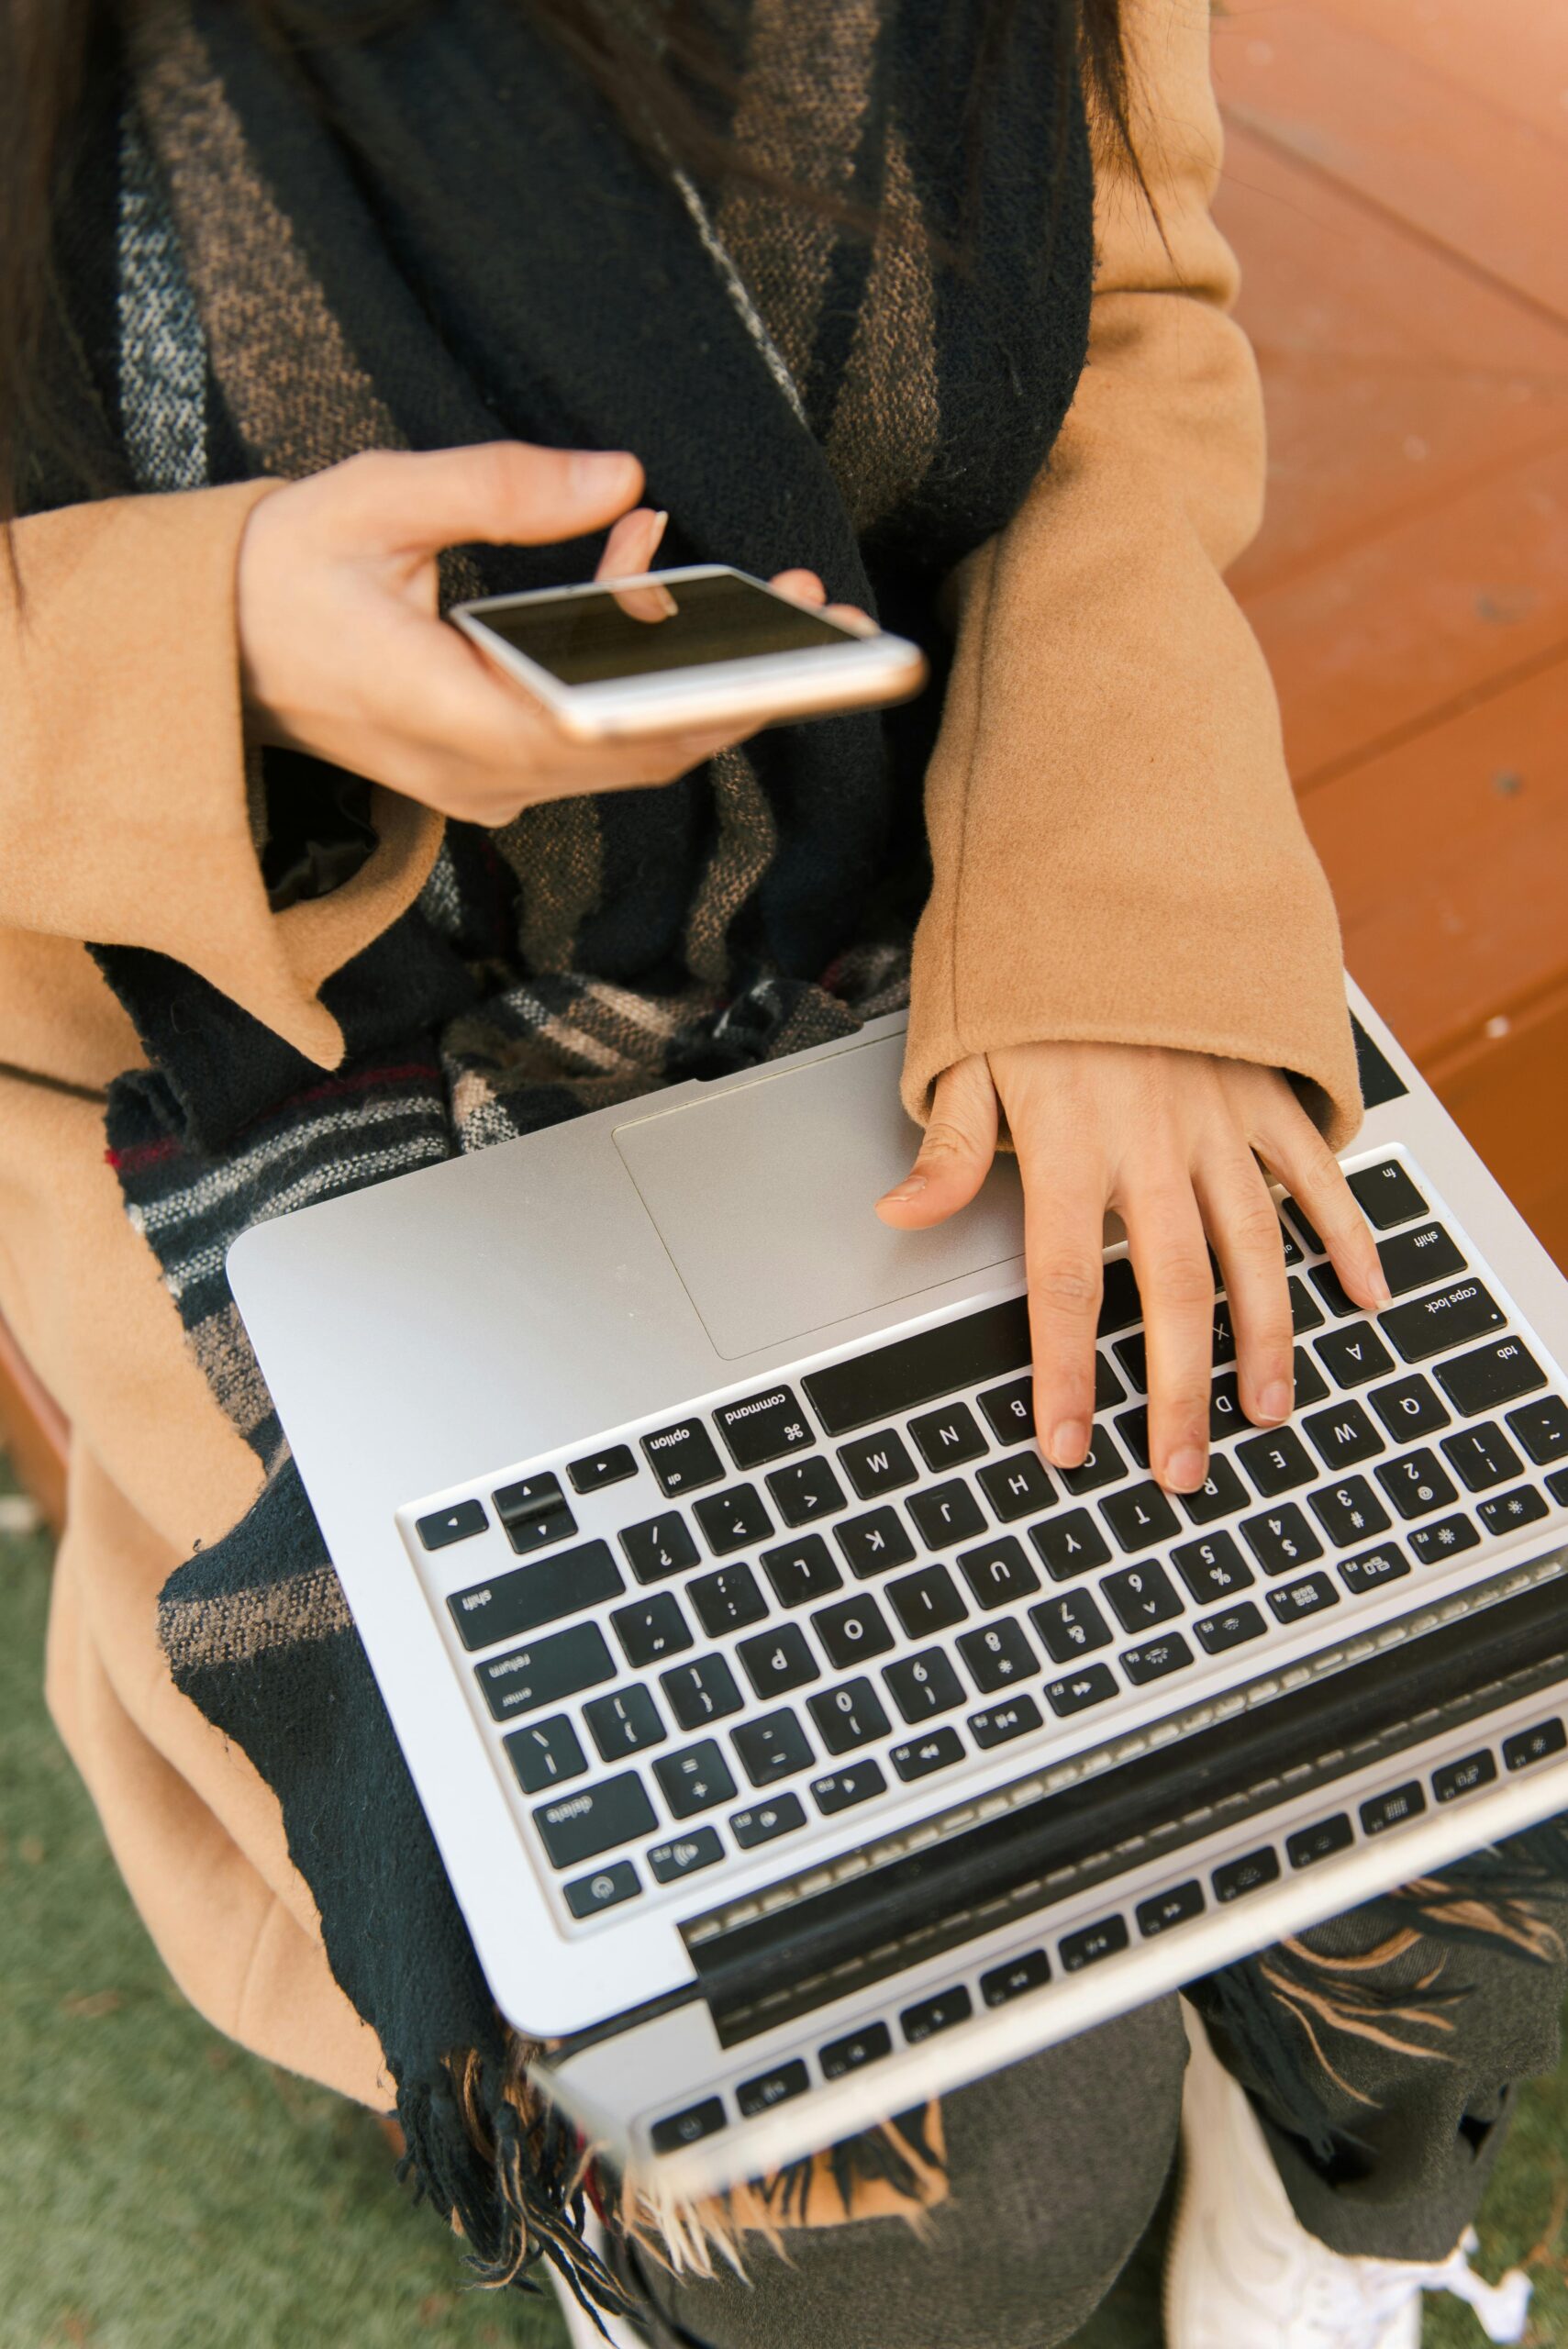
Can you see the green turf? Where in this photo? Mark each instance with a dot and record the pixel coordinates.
(160, 2189)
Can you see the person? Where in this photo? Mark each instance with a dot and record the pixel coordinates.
(916, 305)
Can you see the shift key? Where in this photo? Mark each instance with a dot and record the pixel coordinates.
(510, 1604)
(1429, 1325)
(545, 1671)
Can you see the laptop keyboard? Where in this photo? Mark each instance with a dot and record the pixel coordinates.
(726, 1631)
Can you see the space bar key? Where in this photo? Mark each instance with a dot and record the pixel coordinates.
(992, 1343)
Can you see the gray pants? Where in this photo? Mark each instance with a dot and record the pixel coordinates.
(1055, 2166)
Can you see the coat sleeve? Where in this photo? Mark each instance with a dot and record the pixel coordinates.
(124, 810)
(1115, 847)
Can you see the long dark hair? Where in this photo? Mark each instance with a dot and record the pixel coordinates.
(45, 46)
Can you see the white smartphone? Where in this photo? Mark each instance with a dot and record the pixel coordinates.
(684, 650)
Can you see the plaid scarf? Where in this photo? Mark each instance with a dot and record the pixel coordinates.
(435, 234)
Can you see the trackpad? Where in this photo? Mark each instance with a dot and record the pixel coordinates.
(764, 1197)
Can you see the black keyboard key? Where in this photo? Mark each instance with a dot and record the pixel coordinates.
(867, 2045)
(1251, 1872)
(682, 1457)
(764, 1426)
(651, 1630)
(1069, 1544)
(770, 1748)
(1277, 1462)
(938, 2012)
(1101, 1465)
(875, 1464)
(1140, 1597)
(1109, 1389)
(444, 1526)
(695, 1780)
(624, 1723)
(1009, 1410)
(1353, 1356)
(1216, 1633)
(873, 1543)
(1387, 1194)
(853, 1630)
(701, 1691)
(939, 1748)
(545, 1671)
(778, 1660)
(660, 1546)
(1014, 1976)
(803, 1570)
(1141, 1516)
(1133, 1356)
(727, 1600)
(1490, 1376)
(1449, 1538)
(1307, 1595)
(923, 1684)
(998, 1572)
(527, 1597)
(1212, 1569)
(1297, 1215)
(771, 2087)
(1393, 1809)
(1342, 1435)
(1132, 1427)
(1070, 1626)
(1092, 1942)
(1155, 1658)
(1163, 1910)
(1429, 1324)
(848, 1716)
(1321, 1841)
(1537, 1744)
(926, 1602)
(1078, 1690)
(1416, 1484)
(604, 1890)
(991, 1344)
(682, 1855)
(1221, 1494)
(804, 1490)
(1374, 1568)
(1311, 1387)
(1305, 1313)
(535, 1513)
(1410, 1407)
(841, 1790)
(597, 1469)
(545, 1755)
(1226, 1416)
(782, 1816)
(1466, 1777)
(945, 1514)
(733, 1520)
(997, 1655)
(1224, 1348)
(950, 1437)
(1333, 1292)
(1507, 1512)
(1281, 1539)
(704, 2119)
(1120, 1305)
(1001, 1724)
(1350, 1512)
(1415, 1259)
(1557, 1486)
(592, 1819)
(1542, 1428)
(1016, 1486)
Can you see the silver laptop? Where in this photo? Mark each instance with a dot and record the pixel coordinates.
(797, 1742)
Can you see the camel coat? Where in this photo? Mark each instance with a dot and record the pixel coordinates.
(1117, 857)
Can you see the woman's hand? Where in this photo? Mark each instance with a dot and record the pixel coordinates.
(1177, 1143)
(343, 652)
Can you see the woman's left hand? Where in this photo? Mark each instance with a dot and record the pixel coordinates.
(1177, 1143)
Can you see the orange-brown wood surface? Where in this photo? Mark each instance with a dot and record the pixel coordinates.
(1396, 187)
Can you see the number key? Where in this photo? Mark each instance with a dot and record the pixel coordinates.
(1070, 1626)
(1482, 1456)
(997, 1655)
(848, 1716)
(1416, 1484)
(1142, 1597)
(1281, 1539)
(923, 1684)
(1212, 1569)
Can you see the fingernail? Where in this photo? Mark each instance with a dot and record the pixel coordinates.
(911, 1188)
(1276, 1399)
(1382, 1293)
(594, 473)
(1185, 1470)
(660, 519)
(1069, 1443)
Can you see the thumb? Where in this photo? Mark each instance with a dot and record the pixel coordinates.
(502, 493)
(956, 1154)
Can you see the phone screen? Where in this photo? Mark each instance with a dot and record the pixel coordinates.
(587, 640)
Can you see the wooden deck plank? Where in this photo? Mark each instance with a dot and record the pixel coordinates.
(1507, 1091)
(1513, 53)
(1443, 158)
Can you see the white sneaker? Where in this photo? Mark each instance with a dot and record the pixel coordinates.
(1243, 2273)
(581, 2330)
